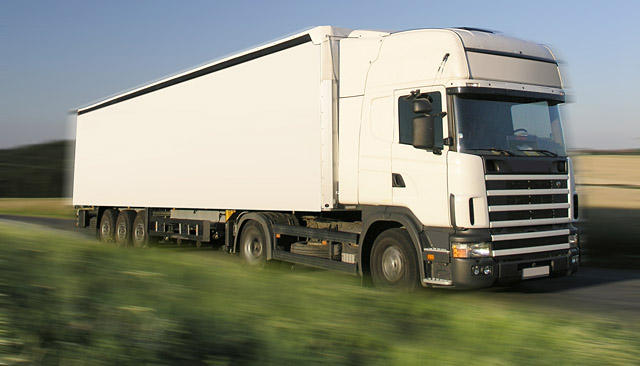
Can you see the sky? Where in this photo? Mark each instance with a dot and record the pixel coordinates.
(56, 56)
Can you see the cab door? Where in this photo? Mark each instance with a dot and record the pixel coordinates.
(419, 177)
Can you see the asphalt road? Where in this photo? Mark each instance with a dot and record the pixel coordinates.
(604, 291)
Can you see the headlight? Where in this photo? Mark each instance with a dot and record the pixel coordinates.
(573, 240)
(471, 250)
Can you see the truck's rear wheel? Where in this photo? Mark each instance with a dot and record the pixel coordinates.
(140, 230)
(253, 244)
(107, 229)
(393, 261)
(124, 227)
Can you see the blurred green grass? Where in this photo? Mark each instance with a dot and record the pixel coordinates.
(69, 301)
(42, 207)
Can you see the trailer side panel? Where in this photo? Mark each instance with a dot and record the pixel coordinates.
(245, 137)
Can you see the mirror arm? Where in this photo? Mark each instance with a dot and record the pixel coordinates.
(448, 141)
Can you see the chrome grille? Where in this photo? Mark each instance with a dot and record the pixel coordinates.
(528, 213)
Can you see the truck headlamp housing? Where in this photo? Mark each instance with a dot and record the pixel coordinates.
(471, 250)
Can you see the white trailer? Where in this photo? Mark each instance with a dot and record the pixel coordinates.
(430, 156)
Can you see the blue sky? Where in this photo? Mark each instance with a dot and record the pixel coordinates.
(58, 55)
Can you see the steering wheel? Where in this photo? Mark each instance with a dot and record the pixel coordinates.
(524, 131)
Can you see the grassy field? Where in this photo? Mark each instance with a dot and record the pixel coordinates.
(46, 207)
(67, 301)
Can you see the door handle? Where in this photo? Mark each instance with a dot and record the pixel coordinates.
(397, 181)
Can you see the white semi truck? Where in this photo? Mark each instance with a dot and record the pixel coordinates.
(430, 157)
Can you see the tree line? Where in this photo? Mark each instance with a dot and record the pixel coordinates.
(40, 170)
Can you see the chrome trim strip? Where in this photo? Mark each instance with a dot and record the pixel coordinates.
(528, 207)
(526, 192)
(535, 234)
(544, 248)
(525, 177)
(529, 222)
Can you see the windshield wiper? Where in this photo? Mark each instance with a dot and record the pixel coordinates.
(546, 152)
(502, 151)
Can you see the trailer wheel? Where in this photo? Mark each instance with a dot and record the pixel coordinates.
(393, 261)
(107, 229)
(124, 227)
(140, 231)
(93, 226)
(253, 244)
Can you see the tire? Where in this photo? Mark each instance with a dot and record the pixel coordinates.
(93, 227)
(140, 231)
(394, 263)
(124, 227)
(253, 244)
(107, 229)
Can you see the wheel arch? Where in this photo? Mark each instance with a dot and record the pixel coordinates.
(378, 219)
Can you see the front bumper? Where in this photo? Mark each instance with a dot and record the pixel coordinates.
(509, 270)
(441, 269)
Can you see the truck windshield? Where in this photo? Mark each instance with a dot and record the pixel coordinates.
(492, 124)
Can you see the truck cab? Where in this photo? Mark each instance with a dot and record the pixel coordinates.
(480, 177)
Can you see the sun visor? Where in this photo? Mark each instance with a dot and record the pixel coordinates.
(486, 66)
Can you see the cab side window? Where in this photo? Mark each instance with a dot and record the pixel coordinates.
(406, 115)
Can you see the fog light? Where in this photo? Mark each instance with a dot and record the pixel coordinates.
(487, 270)
(575, 259)
(475, 270)
(573, 240)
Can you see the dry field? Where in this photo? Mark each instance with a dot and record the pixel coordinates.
(47, 207)
(609, 188)
(611, 181)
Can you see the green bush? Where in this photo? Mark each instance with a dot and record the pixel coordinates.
(68, 301)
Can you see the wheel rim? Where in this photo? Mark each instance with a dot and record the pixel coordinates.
(138, 235)
(105, 230)
(392, 264)
(252, 249)
(122, 231)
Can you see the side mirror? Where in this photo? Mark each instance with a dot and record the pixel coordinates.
(422, 106)
(424, 132)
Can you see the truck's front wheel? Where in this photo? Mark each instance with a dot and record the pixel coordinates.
(253, 244)
(393, 261)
